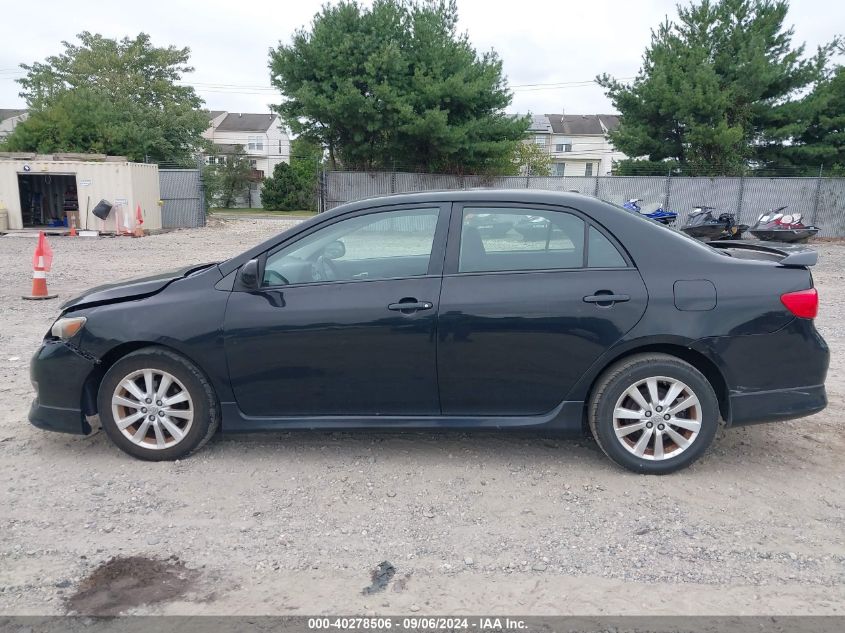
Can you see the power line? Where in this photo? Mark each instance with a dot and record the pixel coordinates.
(254, 89)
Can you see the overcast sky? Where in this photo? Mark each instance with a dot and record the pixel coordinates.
(554, 41)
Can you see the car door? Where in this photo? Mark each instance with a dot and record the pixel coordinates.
(343, 322)
(531, 297)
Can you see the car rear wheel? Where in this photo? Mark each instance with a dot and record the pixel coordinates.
(653, 413)
(157, 405)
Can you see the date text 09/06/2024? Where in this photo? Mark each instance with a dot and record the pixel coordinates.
(416, 623)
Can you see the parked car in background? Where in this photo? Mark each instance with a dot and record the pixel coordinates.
(402, 312)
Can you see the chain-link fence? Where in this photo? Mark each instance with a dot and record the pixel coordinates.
(182, 198)
(820, 200)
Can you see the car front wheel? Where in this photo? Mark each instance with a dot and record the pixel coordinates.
(653, 413)
(157, 405)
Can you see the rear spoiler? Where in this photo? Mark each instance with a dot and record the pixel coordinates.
(791, 255)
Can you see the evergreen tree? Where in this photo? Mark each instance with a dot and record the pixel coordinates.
(395, 85)
(713, 85)
(810, 134)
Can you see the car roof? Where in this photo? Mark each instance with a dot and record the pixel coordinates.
(535, 196)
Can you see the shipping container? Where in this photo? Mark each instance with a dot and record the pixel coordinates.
(47, 190)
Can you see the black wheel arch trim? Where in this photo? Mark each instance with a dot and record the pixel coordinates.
(91, 386)
(690, 351)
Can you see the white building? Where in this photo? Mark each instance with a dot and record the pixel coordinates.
(9, 118)
(261, 136)
(577, 143)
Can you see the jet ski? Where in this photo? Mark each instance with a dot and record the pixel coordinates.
(532, 228)
(703, 225)
(664, 217)
(775, 226)
(491, 224)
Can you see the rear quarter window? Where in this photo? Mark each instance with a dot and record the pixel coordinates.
(602, 253)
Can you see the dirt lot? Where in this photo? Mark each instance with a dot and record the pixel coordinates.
(297, 523)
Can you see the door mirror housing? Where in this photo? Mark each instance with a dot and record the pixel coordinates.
(248, 275)
(334, 250)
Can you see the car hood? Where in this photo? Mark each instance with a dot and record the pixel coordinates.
(130, 288)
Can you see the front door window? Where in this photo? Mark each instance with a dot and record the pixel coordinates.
(386, 245)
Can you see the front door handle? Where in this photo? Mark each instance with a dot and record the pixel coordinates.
(410, 306)
(606, 298)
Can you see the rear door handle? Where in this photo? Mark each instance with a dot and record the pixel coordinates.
(606, 298)
(410, 306)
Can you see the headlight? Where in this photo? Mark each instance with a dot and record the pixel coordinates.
(67, 327)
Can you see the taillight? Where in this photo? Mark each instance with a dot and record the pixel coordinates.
(802, 303)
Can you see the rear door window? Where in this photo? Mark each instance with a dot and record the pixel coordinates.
(506, 239)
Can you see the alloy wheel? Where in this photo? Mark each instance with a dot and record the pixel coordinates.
(152, 408)
(657, 418)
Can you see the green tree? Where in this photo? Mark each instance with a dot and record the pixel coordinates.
(115, 97)
(293, 186)
(225, 182)
(531, 159)
(396, 85)
(283, 190)
(814, 129)
(634, 167)
(712, 85)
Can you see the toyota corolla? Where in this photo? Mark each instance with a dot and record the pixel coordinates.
(465, 309)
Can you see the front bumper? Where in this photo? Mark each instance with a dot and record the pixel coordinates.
(58, 419)
(58, 374)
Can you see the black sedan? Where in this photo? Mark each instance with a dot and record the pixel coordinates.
(399, 312)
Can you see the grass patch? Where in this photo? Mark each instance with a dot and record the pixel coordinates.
(266, 212)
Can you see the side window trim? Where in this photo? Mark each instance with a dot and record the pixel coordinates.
(453, 243)
(438, 247)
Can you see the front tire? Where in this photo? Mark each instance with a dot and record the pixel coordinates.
(653, 413)
(157, 405)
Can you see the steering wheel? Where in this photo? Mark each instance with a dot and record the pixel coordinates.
(324, 269)
(274, 276)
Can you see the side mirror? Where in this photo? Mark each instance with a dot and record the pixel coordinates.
(334, 250)
(248, 275)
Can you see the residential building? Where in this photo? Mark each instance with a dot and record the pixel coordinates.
(577, 143)
(261, 136)
(9, 118)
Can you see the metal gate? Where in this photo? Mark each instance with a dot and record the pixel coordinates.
(182, 195)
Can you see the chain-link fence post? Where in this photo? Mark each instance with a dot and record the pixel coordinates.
(203, 215)
(322, 203)
(818, 194)
(740, 195)
(666, 194)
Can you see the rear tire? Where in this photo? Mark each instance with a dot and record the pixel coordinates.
(653, 413)
(157, 405)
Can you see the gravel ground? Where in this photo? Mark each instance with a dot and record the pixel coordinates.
(293, 523)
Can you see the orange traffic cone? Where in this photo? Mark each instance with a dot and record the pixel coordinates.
(72, 222)
(42, 260)
(139, 220)
(119, 229)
